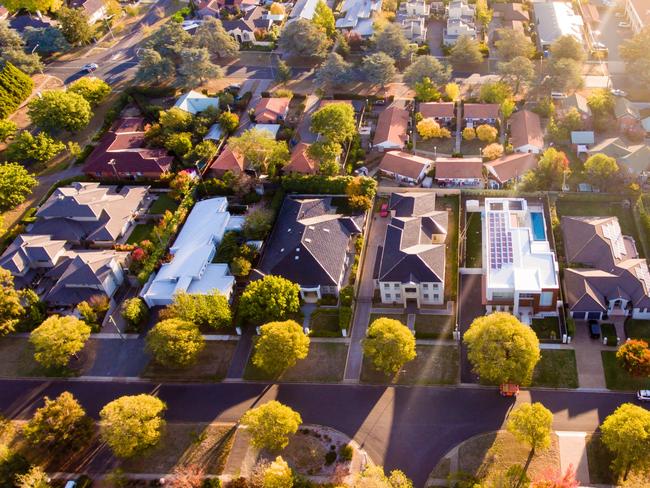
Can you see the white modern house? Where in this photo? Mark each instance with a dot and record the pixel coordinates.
(556, 19)
(358, 16)
(191, 269)
(460, 22)
(413, 16)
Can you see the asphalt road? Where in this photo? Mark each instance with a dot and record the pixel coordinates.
(400, 427)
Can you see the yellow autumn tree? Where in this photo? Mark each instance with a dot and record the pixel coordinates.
(429, 128)
(493, 151)
(469, 134)
(486, 133)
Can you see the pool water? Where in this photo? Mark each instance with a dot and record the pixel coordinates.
(539, 232)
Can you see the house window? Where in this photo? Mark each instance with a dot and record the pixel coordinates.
(526, 295)
(397, 285)
(434, 286)
(386, 285)
(578, 315)
(387, 296)
(398, 295)
(426, 296)
(410, 289)
(436, 296)
(546, 299)
(425, 285)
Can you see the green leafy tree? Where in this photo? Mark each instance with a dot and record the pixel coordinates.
(303, 38)
(15, 184)
(34, 309)
(60, 425)
(273, 298)
(94, 90)
(11, 309)
(335, 71)
(502, 349)
(203, 151)
(7, 129)
(496, 92)
(169, 40)
(601, 169)
(601, 102)
(258, 224)
(634, 357)
(335, 122)
(452, 91)
(513, 44)
(531, 423)
(550, 172)
(212, 36)
(33, 5)
(240, 266)
(55, 110)
(134, 310)
(324, 18)
(175, 120)
(45, 40)
(40, 148)
(466, 51)
(229, 121)
(379, 68)
(271, 424)
(426, 91)
(565, 74)
(196, 67)
(175, 343)
(152, 66)
(179, 143)
(507, 107)
(389, 344)
(483, 13)
(427, 66)
(634, 51)
(75, 26)
(57, 339)
(626, 433)
(326, 154)
(282, 72)
(278, 474)
(391, 41)
(517, 72)
(34, 478)
(280, 346)
(12, 50)
(568, 47)
(202, 309)
(374, 477)
(260, 150)
(131, 424)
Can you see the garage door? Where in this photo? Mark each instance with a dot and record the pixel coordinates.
(578, 315)
(593, 315)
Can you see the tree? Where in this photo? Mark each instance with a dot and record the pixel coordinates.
(260, 150)
(496, 92)
(502, 349)
(282, 72)
(60, 425)
(131, 424)
(429, 128)
(278, 474)
(202, 309)
(531, 423)
(452, 91)
(12, 50)
(33, 5)
(258, 223)
(601, 102)
(513, 44)
(466, 51)
(169, 40)
(229, 121)
(483, 13)
(389, 344)
(94, 90)
(75, 26)
(324, 18)
(517, 72)
(45, 40)
(179, 143)
(55, 110)
(335, 71)
(271, 424)
(626, 433)
(469, 134)
(549, 173)
(280, 346)
(269, 299)
(634, 51)
(492, 151)
(486, 133)
(15, 184)
(240, 266)
(566, 74)
(326, 154)
(40, 148)
(7, 129)
(391, 41)
(634, 357)
(304, 38)
(379, 68)
(57, 339)
(507, 107)
(426, 91)
(601, 169)
(196, 67)
(568, 47)
(152, 66)
(11, 309)
(212, 36)
(277, 9)
(134, 310)
(427, 66)
(34, 478)
(374, 477)
(175, 343)
(335, 122)
(203, 151)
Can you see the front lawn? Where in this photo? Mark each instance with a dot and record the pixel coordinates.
(140, 233)
(609, 331)
(437, 145)
(434, 326)
(324, 323)
(451, 204)
(638, 329)
(161, 204)
(473, 240)
(434, 365)
(556, 369)
(547, 329)
(401, 317)
(617, 378)
(472, 148)
(599, 459)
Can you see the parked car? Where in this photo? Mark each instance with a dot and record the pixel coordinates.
(594, 329)
(383, 211)
(624, 25)
(619, 93)
(643, 395)
(362, 171)
(235, 87)
(89, 68)
(558, 95)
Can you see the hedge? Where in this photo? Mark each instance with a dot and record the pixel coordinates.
(345, 316)
(329, 185)
(15, 87)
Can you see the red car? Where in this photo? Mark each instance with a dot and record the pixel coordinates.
(383, 211)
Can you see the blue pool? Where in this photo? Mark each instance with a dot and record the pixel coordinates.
(539, 232)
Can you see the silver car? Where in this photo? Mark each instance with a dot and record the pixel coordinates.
(643, 395)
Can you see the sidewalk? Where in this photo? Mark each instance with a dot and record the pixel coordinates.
(573, 454)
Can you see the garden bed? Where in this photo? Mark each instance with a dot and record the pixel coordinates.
(473, 240)
(616, 378)
(434, 326)
(547, 329)
(324, 323)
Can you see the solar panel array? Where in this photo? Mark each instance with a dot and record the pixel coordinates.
(644, 275)
(612, 231)
(500, 240)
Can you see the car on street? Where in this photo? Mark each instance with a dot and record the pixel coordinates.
(643, 395)
(558, 95)
(623, 25)
(90, 67)
(594, 329)
(618, 93)
(383, 211)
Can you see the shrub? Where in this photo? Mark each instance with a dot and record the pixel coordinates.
(15, 87)
(346, 294)
(345, 316)
(330, 457)
(346, 452)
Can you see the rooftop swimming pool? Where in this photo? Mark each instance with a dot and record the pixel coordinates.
(539, 231)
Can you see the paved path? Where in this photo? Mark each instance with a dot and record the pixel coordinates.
(470, 307)
(410, 322)
(573, 454)
(588, 358)
(240, 356)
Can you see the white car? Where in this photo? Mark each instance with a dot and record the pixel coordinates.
(558, 95)
(643, 395)
(618, 93)
(624, 25)
(90, 67)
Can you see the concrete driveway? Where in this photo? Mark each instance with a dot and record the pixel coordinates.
(435, 29)
(470, 307)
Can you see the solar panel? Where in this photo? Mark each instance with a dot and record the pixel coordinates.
(644, 276)
(500, 241)
(612, 232)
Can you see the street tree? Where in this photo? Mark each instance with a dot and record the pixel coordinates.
(452, 91)
(379, 68)
(196, 67)
(486, 133)
(282, 72)
(427, 66)
(60, 425)
(374, 477)
(212, 36)
(324, 18)
(57, 339)
(304, 38)
(517, 72)
(335, 71)
(75, 26)
(94, 90)
(550, 172)
(169, 40)
(131, 424)
(531, 423)
(634, 357)
(175, 343)
(335, 122)
(493, 151)
(426, 91)
(12, 50)
(152, 66)
(278, 474)
(40, 148)
(271, 424)
(8, 129)
(568, 47)
(636, 55)
(11, 309)
(495, 92)
(56, 110)
(15, 184)
(33, 5)
(34, 478)
(565, 74)
(202, 309)
(601, 170)
(280, 346)
(391, 41)
(389, 344)
(134, 311)
(45, 40)
(513, 44)
(626, 433)
(273, 298)
(466, 51)
(260, 150)
(502, 349)
(258, 223)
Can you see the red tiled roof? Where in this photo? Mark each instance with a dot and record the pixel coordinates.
(300, 161)
(392, 126)
(441, 109)
(525, 129)
(269, 109)
(511, 166)
(458, 168)
(228, 160)
(481, 111)
(404, 164)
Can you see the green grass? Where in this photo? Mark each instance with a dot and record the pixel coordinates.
(638, 329)
(451, 204)
(556, 369)
(443, 146)
(609, 331)
(211, 365)
(325, 323)
(325, 363)
(473, 241)
(434, 365)
(547, 328)
(140, 233)
(17, 355)
(161, 204)
(599, 459)
(401, 317)
(434, 326)
(616, 378)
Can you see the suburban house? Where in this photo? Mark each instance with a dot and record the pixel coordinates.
(358, 16)
(476, 114)
(442, 112)
(29, 255)
(634, 158)
(627, 115)
(460, 22)
(578, 102)
(526, 135)
(89, 213)
(191, 268)
(122, 154)
(582, 140)
(303, 9)
(211, 8)
(195, 102)
(520, 271)
(637, 14)
(215, 133)
(413, 16)
(392, 128)
(410, 266)
(271, 110)
(404, 167)
(554, 20)
(300, 161)
(510, 12)
(311, 245)
(243, 29)
(509, 168)
(459, 171)
(228, 160)
(95, 9)
(605, 277)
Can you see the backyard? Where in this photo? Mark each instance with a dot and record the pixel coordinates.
(163, 203)
(451, 204)
(140, 233)
(473, 241)
(616, 378)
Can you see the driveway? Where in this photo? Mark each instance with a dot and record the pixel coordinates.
(435, 29)
(470, 306)
(588, 359)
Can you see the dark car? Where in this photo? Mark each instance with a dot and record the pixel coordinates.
(594, 329)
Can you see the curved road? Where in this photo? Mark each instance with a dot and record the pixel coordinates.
(409, 428)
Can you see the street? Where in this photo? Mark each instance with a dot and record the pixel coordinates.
(401, 427)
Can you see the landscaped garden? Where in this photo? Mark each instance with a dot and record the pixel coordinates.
(608, 332)
(434, 326)
(473, 241)
(140, 232)
(556, 369)
(638, 329)
(547, 329)
(163, 203)
(616, 378)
